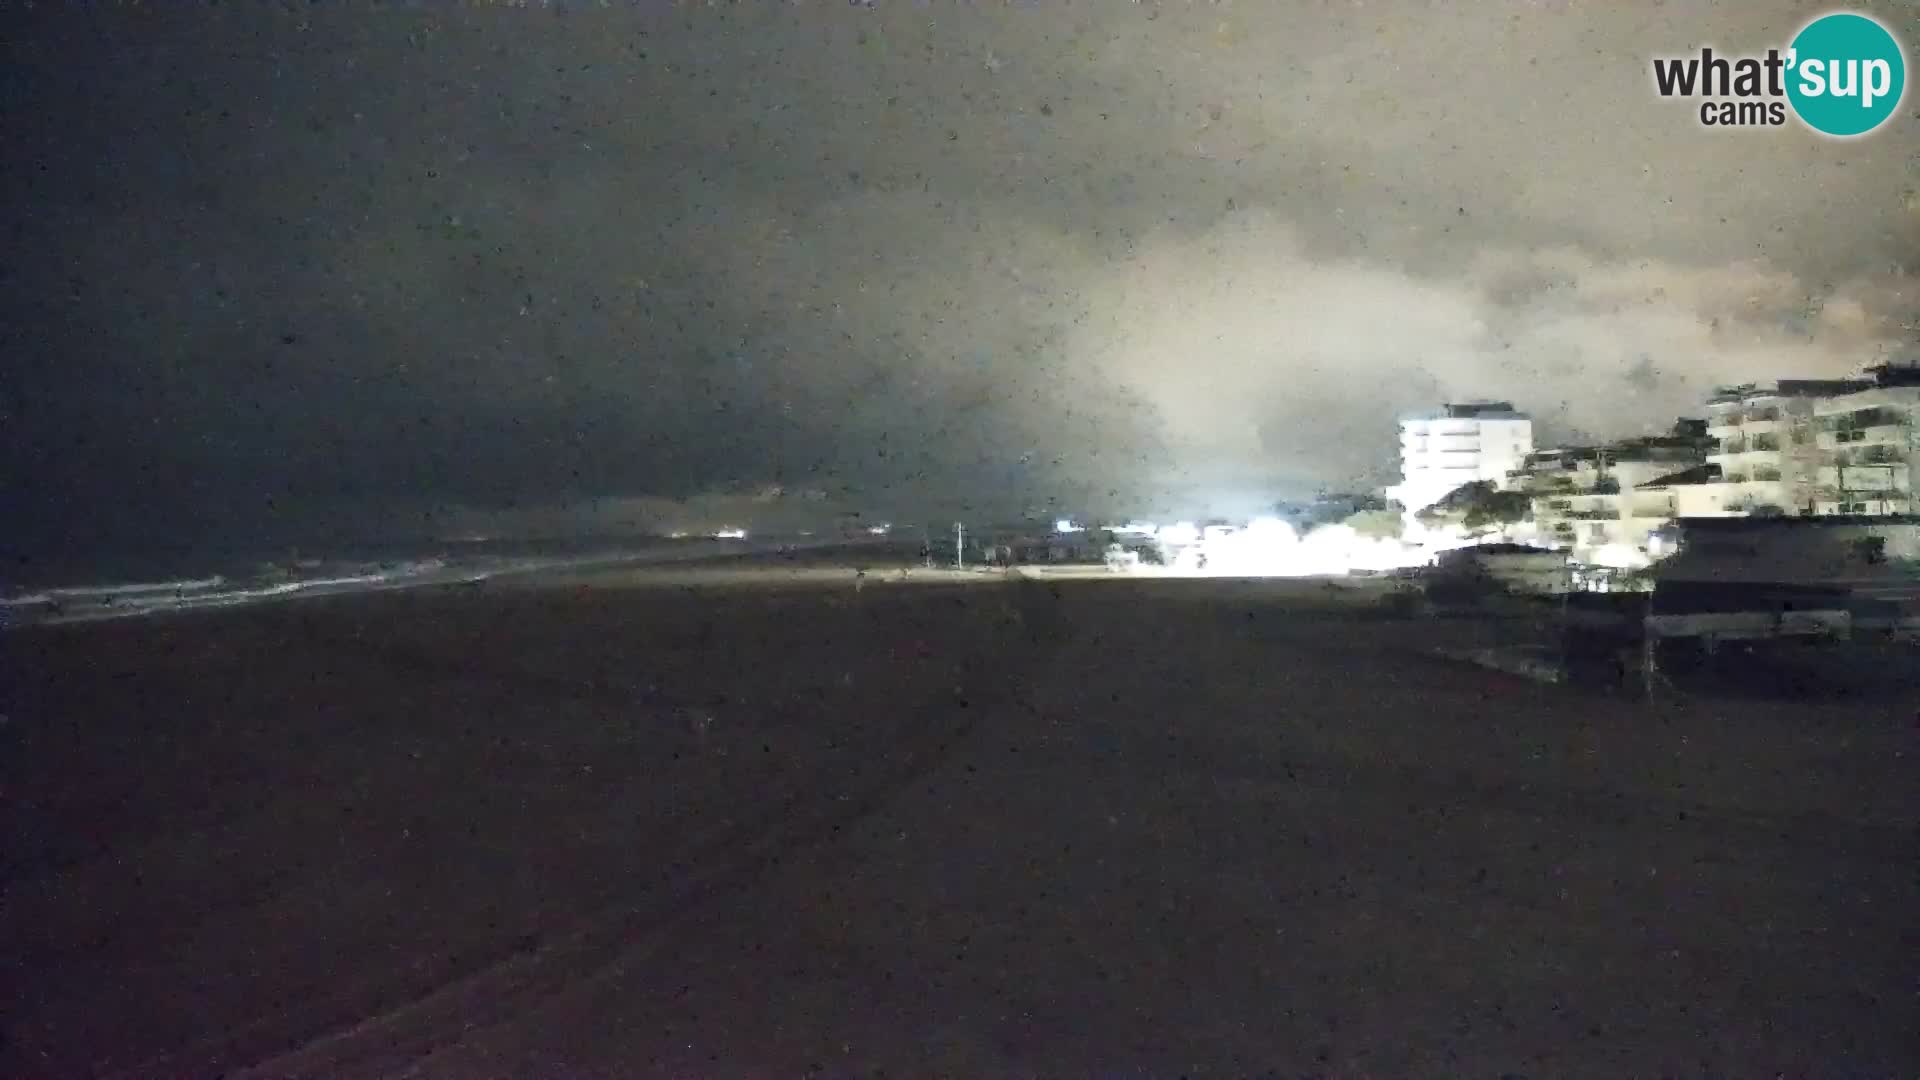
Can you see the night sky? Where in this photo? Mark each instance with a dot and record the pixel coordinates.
(346, 269)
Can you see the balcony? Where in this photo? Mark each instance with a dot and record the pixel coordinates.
(1561, 487)
(1869, 454)
(1868, 506)
(1866, 416)
(1430, 432)
(1843, 478)
(1771, 478)
(1876, 435)
(1748, 460)
(1655, 508)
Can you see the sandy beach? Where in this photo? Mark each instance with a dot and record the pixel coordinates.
(733, 821)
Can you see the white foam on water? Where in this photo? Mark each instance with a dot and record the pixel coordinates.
(100, 592)
(90, 603)
(86, 603)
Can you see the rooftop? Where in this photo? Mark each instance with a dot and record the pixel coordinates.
(1471, 410)
(1895, 374)
(1501, 549)
(1784, 521)
(1644, 448)
(1699, 474)
(1787, 388)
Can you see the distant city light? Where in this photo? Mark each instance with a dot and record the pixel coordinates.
(1180, 533)
(730, 534)
(1272, 547)
(1619, 557)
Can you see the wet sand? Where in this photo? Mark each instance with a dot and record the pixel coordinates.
(686, 824)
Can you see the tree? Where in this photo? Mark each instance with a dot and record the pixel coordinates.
(1477, 507)
(1377, 524)
(1328, 508)
(1499, 509)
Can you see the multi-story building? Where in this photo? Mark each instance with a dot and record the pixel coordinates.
(1766, 448)
(1869, 453)
(1700, 492)
(1456, 445)
(1604, 502)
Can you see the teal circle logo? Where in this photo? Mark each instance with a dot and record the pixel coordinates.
(1845, 74)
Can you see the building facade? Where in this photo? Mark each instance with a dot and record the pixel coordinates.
(1867, 447)
(1458, 444)
(1766, 444)
(1606, 503)
(1700, 492)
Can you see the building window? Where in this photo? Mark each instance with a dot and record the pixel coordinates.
(1866, 418)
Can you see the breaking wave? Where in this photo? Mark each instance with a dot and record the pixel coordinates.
(270, 582)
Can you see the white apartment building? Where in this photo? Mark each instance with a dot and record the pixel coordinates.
(1456, 445)
(1766, 447)
(1700, 492)
(1605, 503)
(1869, 453)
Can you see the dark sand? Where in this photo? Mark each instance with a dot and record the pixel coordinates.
(1132, 828)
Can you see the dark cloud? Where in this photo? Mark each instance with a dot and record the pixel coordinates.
(265, 260)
